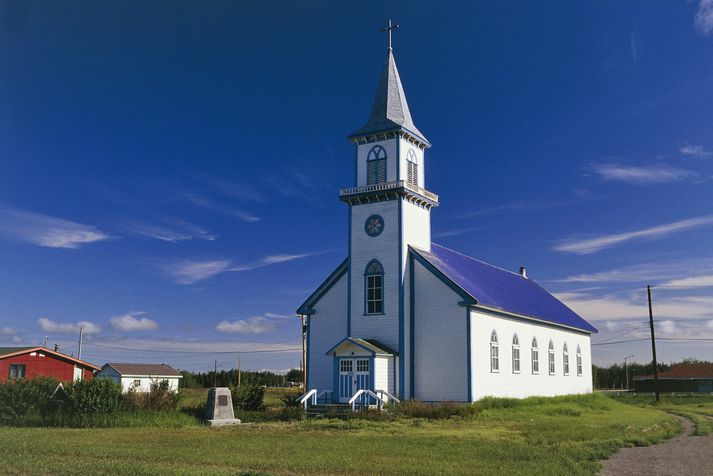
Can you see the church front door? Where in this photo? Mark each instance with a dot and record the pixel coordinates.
(353, 376)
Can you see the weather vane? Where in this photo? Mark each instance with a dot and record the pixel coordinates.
(391, 27)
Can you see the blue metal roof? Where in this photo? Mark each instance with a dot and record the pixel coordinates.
(499, 289)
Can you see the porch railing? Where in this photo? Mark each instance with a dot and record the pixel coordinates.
(305, 399)
(387, 397)
(362, 397)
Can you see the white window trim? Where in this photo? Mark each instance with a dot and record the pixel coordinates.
(494, 353)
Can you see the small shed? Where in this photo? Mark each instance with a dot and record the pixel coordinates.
(686, 377)
(30, 362)
(140, 377)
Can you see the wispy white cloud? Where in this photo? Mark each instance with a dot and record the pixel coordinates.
(703, 20)
(133, 322)
(656, 272)
(207, 203)
(269, 260)
(253, 325)
(691, 282)
(633, 306)
(192, 271)
(648, 175)
(45, 230)
(695, 151)
(584, 246)
(47, 325)
(7, 331)
(178, 231)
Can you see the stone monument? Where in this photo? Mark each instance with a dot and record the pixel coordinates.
(219, 409)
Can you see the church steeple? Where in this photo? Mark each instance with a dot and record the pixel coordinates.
(390, 111)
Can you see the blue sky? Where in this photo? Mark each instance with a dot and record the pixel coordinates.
(169, 172)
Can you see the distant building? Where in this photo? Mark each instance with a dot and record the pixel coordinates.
(410, 317)
(140, 377)
(30, 362)
(693, 377)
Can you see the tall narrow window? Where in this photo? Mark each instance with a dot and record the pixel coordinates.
(376, 165)
(374, 284)
(412, 168)
(551, 357)
(535, 355)
(565, 359)
(494, 353)
(515, 354)
(579, 361)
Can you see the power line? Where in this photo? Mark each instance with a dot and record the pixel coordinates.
(621, 341)
(262, 351)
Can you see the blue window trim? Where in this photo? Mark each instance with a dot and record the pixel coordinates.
(375, 154)
(412, 319)
(349, 276)
(366, 288)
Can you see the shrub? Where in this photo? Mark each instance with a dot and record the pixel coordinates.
(248, 397)
(91, 397)
(160, 397)
(27, 399)
(291, 400)
(418, 409)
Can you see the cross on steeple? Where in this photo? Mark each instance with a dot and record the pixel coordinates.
(391, 27)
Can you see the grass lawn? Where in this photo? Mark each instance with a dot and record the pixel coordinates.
(565, 435)
(698, 408)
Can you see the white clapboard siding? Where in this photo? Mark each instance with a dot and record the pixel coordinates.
(384, 376)
(440, 360)
(506, 383)
(385, 248)
(327, 326)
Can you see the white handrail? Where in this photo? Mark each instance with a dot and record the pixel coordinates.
(366, 392)
(304, 399)
(323, 392)
(388, 396)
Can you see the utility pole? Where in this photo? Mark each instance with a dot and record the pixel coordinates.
(653, 345)
(626, 370)
(79, 351)
(215, 373)
(238, 370)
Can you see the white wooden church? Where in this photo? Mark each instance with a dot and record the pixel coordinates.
(415, 319)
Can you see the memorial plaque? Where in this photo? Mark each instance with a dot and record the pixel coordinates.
(219, 408)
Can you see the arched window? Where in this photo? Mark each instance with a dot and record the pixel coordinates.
(579, 361)
(374, 285)
(565, 359)
(515, 354)
(535, 354)
(551, 357)
(376, 165)
(494, 354)
(412, 167)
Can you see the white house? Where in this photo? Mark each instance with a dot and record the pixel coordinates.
(416, 319)
(140, 377)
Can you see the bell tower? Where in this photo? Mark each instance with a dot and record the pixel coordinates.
(389, 210)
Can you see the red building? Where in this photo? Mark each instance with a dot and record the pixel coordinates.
(29, 362)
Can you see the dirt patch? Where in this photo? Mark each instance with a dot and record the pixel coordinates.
(682, 455)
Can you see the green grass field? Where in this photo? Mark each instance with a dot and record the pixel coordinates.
(698, 408)
(566, 435)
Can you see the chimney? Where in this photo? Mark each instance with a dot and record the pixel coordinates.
(523, 271)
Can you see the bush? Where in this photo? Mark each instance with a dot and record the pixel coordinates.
(418, 409)
(160, 397)
(27, 400)
(248, 397)
(291, 400)
(40, 401)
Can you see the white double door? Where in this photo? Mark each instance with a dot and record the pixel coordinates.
(354, 375)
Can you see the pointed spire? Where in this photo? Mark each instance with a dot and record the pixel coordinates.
(390, 111)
